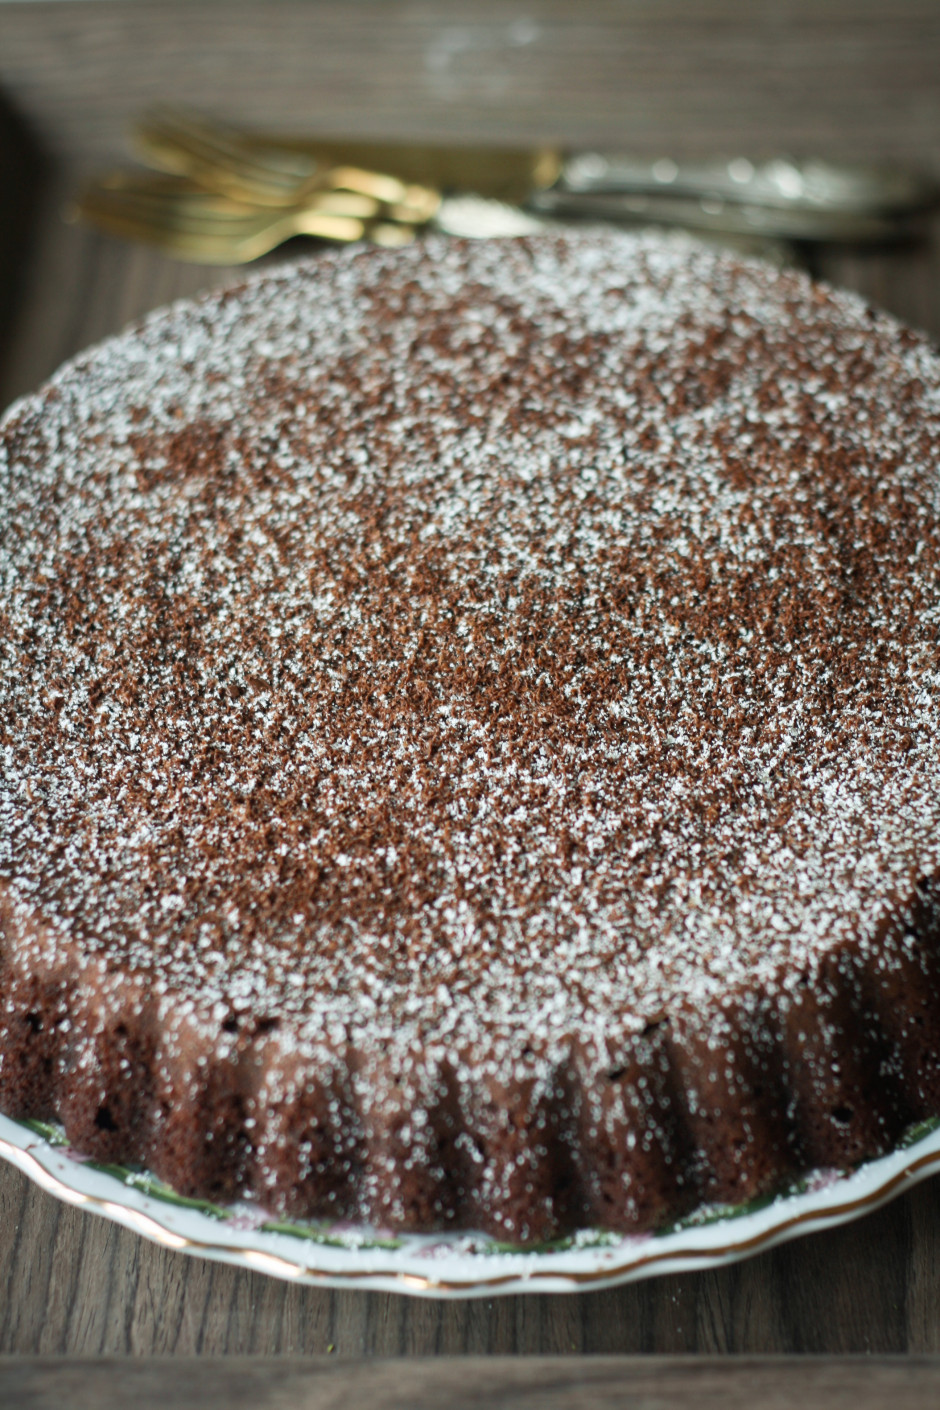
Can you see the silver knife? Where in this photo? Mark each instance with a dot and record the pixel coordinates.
(546, 177)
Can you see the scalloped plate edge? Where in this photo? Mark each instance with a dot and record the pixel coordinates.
(445, 1266)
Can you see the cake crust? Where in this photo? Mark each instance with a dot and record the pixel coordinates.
(471, 752)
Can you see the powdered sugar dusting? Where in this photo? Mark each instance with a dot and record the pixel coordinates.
(518, 639)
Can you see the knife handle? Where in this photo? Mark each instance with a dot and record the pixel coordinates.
(716, 216)
(781, 183)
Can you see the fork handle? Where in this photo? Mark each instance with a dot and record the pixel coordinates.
(322, 225)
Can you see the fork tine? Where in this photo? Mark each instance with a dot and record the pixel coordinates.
(173, 200)
(210, 229)
(130, 225)
(226, 159)
(189, 156)
(192, 212)
(216, 156)
(233, 140)
(201, 247)
(216, 145)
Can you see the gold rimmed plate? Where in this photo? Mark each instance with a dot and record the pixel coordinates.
(456, 1265)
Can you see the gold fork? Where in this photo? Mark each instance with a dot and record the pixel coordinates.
(224, 159)
(180, 216)
(283, 170)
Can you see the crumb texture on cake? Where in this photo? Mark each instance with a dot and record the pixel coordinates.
(471, 752)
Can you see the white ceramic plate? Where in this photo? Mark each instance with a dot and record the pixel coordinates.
(456, 1265)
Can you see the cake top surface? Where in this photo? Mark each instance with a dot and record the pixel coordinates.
(496, 638)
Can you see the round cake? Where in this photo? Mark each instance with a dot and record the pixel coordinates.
(471, 737)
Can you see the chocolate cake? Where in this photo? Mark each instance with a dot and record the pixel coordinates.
(471, 736)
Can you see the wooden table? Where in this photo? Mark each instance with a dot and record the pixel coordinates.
(474, 1383)
(853, 78)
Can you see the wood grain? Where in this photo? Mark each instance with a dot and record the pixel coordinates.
(844, 76)
(856, 75)
(549, 1383)
(75, 1284)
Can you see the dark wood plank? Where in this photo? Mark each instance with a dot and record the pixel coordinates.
(76, 1284)
(851, 76)
(858, 76)
(551, 1383)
